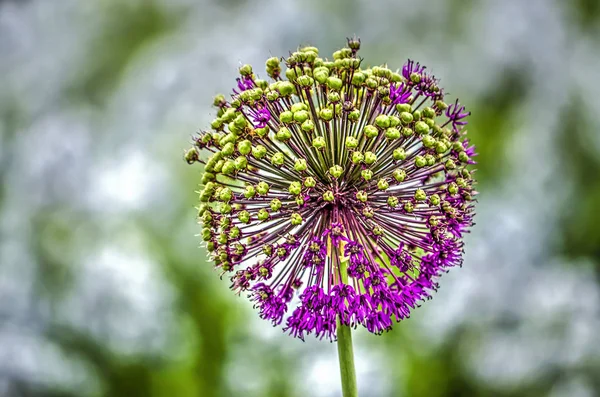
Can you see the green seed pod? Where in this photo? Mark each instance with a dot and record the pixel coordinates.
(296, 219)
(262, 215)
(295, 188)
(382, 184)
(420, 162)
(392, 133)
(406, 118)
(244, 216)
(420, 195)
(399, 154)
(250, 192)
(241, 162)
(334, 83)
(336, 171)
(361, 196)
(308, 126)
(300, 165)
(259, 151)
(326, 114)
(310, 182)
(328, 196)
(275, 204)
(357, 157)
(244, 147)
(283, 135)
(351, 143)
(370, 131)
(262, 188)
(392, 201)
(421, 128)
(370, 158)
(367, 174)
(277, 159)
(382, 121)
(399, 175)
(318, 143)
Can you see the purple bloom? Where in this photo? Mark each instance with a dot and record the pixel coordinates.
(325, 199)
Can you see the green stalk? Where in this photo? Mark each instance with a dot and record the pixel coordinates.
(345, 351)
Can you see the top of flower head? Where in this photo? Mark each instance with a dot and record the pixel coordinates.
(337, 192)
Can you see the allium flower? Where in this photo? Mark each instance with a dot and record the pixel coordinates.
(337, 194)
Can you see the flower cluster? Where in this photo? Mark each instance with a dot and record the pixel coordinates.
(335, 194)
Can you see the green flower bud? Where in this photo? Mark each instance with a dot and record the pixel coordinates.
(357, 157)
(354, 115)
(463, 157)
(272, 63)
(430, 159)
(403, 108)
(370, 131)
(367, 174)
(295, 188)
(277, 159)
(449, 165)
(267, 249)
(336, 171)
(191, 155)
(409, 207)
(300, 165)
(358, 79)
(361, 196)
(259, 151)
(434, 199)
(406, 118)
(246, 70)
(225, 208)
(240, 122)
(241, 162)
(351, 143)
(298, 106)
(250, 192)
(328, 196)
(321, 76)
(452, 188)
(392, 133)
(305, 81)
(210, 246)
(394, 121)
(225, 194)
(219, 166)
(285, 88)
(382, 121)
(234, 233)
(334, 83)
(440, 105)
(228, 149)
(272, 95)
(415, 77)
(222, 238)
(275, 204)
(430, 123)
(428, 141)
(382, 184)
(244, 216)
(207, 234)
(262, 188)
(428, 113)
(244, 147)
(399, 154)
(310, 182)
(333, 97)
(262, 215)
(326, 114)
(392, 201)
(421, 128)
(417, 115)
(296, 219)
(399, 175)
(370, 158)
(440, 147)
(318, 143)
(301, 116)
(262, 132)
(420, 195)
(283, 134)
(308, 126)
(217, 124)
(286, 117)
(208, 177)
(228, 167)
(420, 162)
(371, 83)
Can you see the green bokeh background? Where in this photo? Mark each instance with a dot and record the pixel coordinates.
(104, 290)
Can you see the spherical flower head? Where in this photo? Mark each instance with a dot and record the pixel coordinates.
(335, 192)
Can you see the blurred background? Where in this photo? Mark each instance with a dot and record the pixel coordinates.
(104, 291)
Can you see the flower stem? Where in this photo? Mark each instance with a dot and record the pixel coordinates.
(345, 350)
(346, 356)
